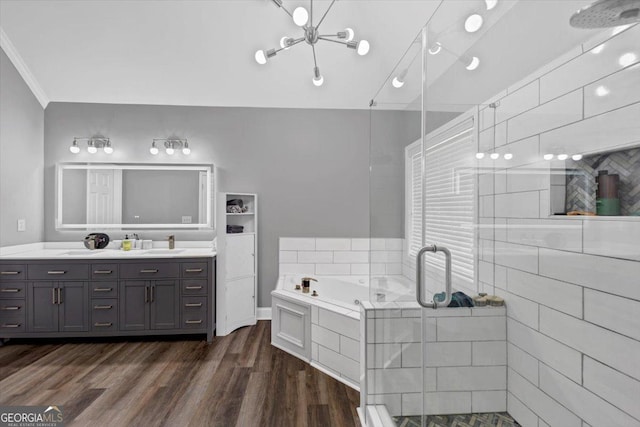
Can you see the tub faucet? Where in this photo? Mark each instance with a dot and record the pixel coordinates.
(172, 241)
(306, 284)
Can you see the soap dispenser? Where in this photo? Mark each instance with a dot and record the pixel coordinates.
(126, 243)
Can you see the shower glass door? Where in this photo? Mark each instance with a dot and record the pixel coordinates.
(484, 139)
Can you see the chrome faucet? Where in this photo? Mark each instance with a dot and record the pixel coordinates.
(172, 241)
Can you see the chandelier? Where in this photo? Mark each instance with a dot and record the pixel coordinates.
(304, 19)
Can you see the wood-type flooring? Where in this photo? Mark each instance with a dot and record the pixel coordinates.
(238, 380)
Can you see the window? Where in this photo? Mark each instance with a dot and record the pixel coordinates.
(447, 186)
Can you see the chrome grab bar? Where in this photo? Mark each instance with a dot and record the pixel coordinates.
(447, 268)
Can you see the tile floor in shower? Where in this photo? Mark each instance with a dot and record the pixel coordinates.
(496, 419)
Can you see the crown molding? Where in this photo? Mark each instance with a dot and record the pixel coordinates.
(23, 70)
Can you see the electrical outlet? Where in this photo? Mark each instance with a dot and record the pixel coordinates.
(186, 219)
(22, 224)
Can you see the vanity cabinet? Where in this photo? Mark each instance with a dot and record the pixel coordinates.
(107, 297)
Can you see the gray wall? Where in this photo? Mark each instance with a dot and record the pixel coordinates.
(21, 158)
(310, 168)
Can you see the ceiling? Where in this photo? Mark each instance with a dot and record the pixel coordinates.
(202, 52)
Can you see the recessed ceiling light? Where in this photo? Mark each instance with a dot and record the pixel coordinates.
(473, 23)
(473, 64)
(602, 91)
(491, 4)
(435, 48)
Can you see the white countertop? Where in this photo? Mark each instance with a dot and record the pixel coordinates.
(75, 250)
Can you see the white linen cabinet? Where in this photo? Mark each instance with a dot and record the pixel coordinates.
(237, 235)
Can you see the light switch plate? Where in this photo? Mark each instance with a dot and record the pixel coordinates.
(186, 219)
(22, 224)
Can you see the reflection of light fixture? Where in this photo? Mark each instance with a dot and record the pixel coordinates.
(491, 4)
(473, 23)
(577, 157)
(508, 156)
(494, 156)
(562, 156)
(479, 156)
(602, 91)
(302, 18)
(435, 48)
(548, 157)
(398, 81)
(93, 143)
(473, 63)
(627, 59)
(596, 50)
(170, 145)
(317, 77)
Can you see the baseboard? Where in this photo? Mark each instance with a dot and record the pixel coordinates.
(263, 313)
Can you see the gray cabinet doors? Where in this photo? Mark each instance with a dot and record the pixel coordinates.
(58, 306)
(42, 307)
(134, 308)
(165, 305)
(149, 305)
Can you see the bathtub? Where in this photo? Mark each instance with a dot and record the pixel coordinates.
(324, 330)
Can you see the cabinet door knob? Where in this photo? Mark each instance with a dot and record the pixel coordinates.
(53, 295)
(59, 295)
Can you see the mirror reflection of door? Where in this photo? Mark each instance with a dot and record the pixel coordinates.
(202, 200)
(104, 196)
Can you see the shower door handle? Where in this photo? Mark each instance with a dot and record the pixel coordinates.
(447, 270)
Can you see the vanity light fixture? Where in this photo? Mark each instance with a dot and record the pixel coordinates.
(93, 143)
(548, 157)
(576, 157)
(473, 23)
(479, 156)
(304, 19)
(170, 146)
(508, 156)
(563, 156)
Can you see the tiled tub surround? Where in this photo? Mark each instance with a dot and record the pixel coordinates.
(465, 359)
(572, 285)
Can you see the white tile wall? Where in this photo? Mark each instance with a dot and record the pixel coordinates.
(617, 239)
(624, 87)
(516, 205)
(525, 416)
(467, 378)
(518, 101)
(517, 256)
(523, 363)
(614, 387)
(612, 312)
(552, 293)
(488, 401)
(551, 233)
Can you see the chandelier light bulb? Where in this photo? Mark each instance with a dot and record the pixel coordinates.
(494, 156)
(318, 81)
(473, 23)
(261, 58)
(563, 156)
(548, 157)
(577, 157)
(491, 4)
(74, 147)
(284, 42)
(479, 156)
(300, 16)
(363, 47)
(435, 48)
(473, 64)
(350, 34)
(170, 151)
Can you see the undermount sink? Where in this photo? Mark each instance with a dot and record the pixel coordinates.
(81, 252)
(164, 251)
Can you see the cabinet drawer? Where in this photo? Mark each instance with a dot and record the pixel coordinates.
(104, 289)
(194, 269)
(11, 307)
(194, 312)
(58, 271)
(149, 271)
(12, 272)
(13, 323)
(104, 271)
(104, 314)
(12, 290)
(194, 287)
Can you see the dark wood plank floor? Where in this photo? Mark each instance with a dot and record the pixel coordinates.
(238, 380)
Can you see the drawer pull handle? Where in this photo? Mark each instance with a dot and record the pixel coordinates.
(193, 304)
(193, 322)
(193, 270)
(10, 290)
(103, 324)
(193, 288)
(103, 272)
(11, 325)
(9, 273)
(102, 289)
(10, 308)
(102, 307)
(56, 272)
(149, 270)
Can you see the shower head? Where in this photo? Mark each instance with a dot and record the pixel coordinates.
(607, 13)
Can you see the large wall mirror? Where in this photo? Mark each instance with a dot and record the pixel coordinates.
(135, 196)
